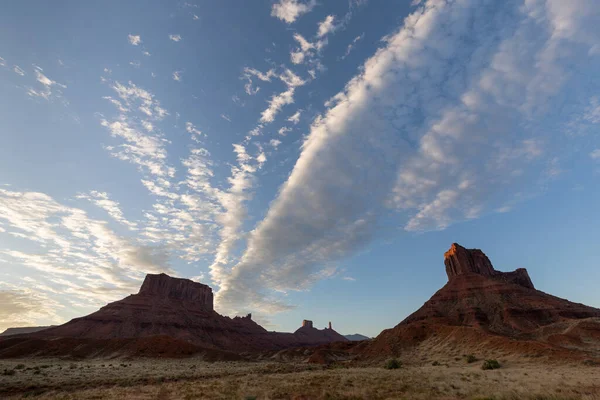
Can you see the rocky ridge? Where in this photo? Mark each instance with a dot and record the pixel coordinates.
(182, 310)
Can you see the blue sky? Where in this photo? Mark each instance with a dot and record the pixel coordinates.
(307, 159)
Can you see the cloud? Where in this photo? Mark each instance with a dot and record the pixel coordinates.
(349, 278)
(134, 39)
(177, 76)
(66, 242)
(112, 207)
(25, 308)
(351, 46)
(295, 118)
(47, 86)
(595, 154)
(175, 38)
(284, 130)
(18, 70)
(290, 10)
(2, 62)
(226, 117)
(278, 101)
(434, 130)
(326, 26)
(275, 143)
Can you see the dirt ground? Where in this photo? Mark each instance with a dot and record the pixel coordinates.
(195, 379)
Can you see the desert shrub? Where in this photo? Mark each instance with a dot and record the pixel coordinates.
(393, 364)
(73, 366)
(490, 364)
(9, 372)
(250, 398)
(591, 363)
(435, 363)
(20, 366)
(37, 372)
(471, 358)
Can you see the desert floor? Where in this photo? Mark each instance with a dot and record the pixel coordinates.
(195, 379)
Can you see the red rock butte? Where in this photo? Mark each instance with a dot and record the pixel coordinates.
(164, 286)
(502, 309)
(175, 308)
(461, 261)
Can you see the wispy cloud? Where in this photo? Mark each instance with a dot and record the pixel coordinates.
(134, 39)
(177, 76)
(295, 118)
(175, 38)
(47, 86)
(351, 46)
(326, 26)
(112, 207)
(282, 99)
(290, 10)
(428, 141)
(18, 70)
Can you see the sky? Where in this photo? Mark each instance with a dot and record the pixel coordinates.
(307, 159)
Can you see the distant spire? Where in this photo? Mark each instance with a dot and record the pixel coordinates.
(330, 325)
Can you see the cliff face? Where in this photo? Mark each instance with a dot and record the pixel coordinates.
(183, 309)
(166, 287)
(460, 261)
(479, 301)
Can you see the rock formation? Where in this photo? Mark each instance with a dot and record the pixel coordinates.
(22, 330)
(183, 310)
(307, 323)
(164, 286)
(461, 261)
(482, 303)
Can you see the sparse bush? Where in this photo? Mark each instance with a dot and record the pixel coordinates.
(73, 366)
(393, 364)
(490, 364)
(20, 366)
(435, 363)
(37, 372)
(471, 358)
(250, 398)
(591, 363)
(9, 372)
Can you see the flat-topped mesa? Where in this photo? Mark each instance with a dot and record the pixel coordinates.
(461, 261)
(164, 286)
(307, 323)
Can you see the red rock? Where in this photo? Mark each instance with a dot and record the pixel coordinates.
(480, 304)
(164, 286)
(183, 310)
(460, 261)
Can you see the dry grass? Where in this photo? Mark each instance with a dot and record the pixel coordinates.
(192, 379)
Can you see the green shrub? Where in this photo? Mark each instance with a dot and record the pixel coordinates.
(435, 363)
(490, 364)
(471, 358)
(20, 366)
(393, 364)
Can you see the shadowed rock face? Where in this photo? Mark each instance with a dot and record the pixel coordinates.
(164, 286)
(183, 310)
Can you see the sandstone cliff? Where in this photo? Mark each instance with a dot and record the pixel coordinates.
(183, 310)
(480, 304)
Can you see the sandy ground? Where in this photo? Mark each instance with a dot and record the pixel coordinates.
(194, 379)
